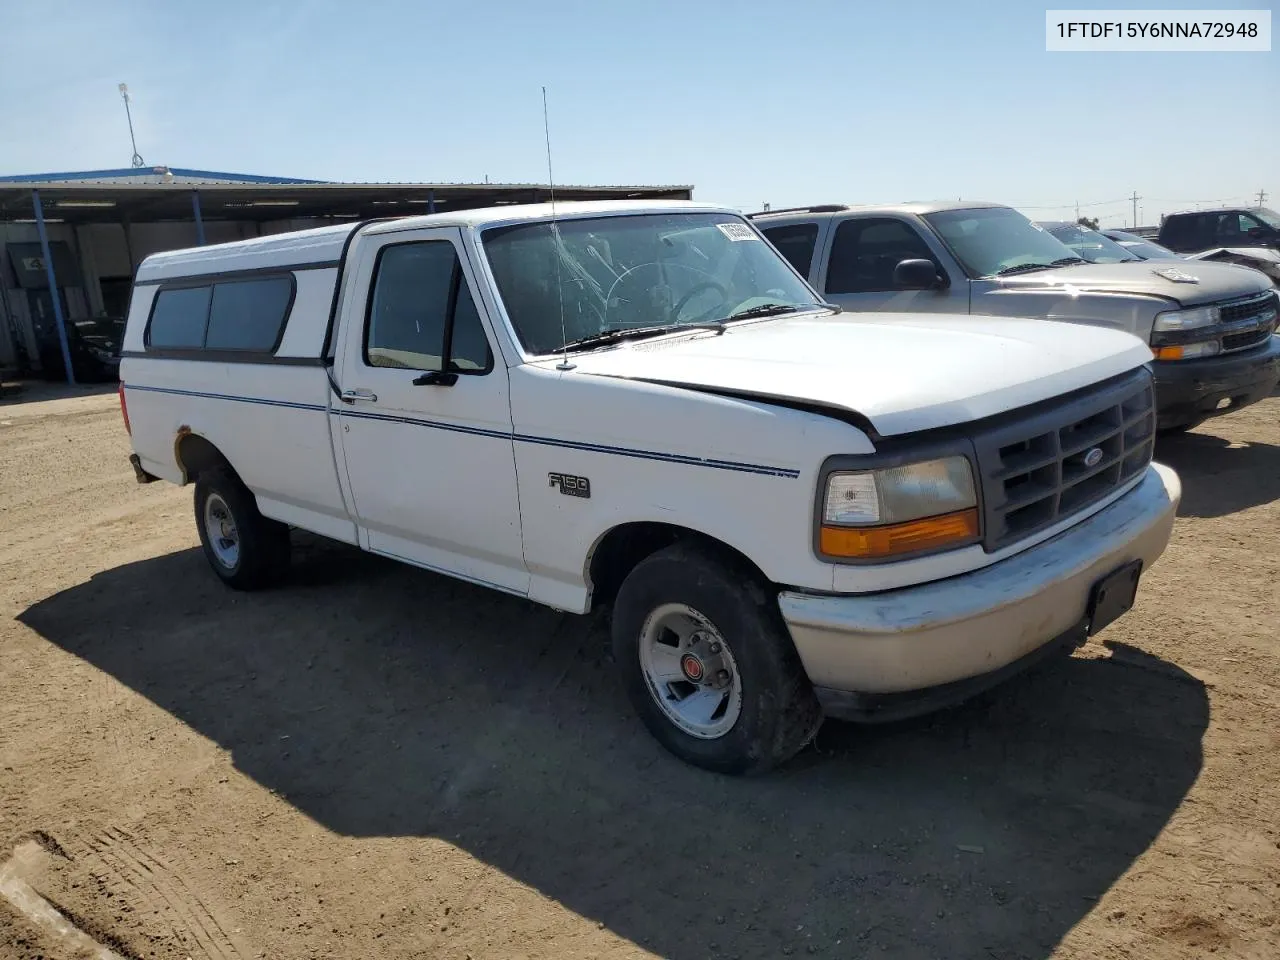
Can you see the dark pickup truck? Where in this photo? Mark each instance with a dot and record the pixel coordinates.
(1199, 230)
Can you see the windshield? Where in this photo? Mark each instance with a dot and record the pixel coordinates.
(991, 240)
(1141, 247)
(1269, 217)
(580, 278)
(1090, 244)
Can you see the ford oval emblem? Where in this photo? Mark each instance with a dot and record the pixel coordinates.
(1174, 275)
(1093, 457)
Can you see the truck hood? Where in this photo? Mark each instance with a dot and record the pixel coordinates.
(903, 372)
(1213, 281)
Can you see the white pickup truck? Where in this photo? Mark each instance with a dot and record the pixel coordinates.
(792, 512)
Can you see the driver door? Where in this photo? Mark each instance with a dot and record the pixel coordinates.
(427, 444)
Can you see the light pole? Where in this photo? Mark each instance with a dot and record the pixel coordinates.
(137, 157)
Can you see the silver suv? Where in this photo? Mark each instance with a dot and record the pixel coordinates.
(1210, 325)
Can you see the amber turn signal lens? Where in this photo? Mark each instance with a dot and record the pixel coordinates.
(949, 529)
(1168, 353)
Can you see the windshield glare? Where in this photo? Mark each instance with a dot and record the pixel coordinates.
(987, 240)
(1141, 247)
(1269, 217)
(625, 272)
(1090, 244)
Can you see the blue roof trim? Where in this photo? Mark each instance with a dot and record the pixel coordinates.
(151, 172)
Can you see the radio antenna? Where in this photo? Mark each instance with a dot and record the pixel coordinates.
(564, 363)
(137, 160)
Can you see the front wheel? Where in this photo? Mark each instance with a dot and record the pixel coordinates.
(708, 664)
(246, 550)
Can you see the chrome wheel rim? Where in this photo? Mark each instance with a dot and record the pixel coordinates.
(690, 671)
(220, 526)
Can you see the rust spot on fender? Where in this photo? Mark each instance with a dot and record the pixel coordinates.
(183, 432)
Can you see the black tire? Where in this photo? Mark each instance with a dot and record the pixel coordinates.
(779, 712)
(263, 544)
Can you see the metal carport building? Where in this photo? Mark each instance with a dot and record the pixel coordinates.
(83, 234)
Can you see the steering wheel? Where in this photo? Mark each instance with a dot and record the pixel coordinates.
(697, 289)
(674, 313)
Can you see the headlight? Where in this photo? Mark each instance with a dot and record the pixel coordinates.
(1173, 320)
(882, 513)
(1188, 351)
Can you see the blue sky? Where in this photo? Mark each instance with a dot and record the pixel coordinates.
(807, 101)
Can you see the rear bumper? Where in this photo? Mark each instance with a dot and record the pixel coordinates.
(902, 652)
(1190, 390)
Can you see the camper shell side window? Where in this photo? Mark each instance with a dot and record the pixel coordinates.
(223, 317)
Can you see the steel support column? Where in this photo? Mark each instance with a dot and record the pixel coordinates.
(195, 209)
(53, 286)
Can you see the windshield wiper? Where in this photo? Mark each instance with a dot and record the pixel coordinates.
(1024, 267)
(1021, 268)
(629, 333)
(777, 309)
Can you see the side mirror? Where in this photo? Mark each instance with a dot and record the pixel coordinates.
(917, 275)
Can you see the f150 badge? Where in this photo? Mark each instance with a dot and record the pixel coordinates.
(570, 485)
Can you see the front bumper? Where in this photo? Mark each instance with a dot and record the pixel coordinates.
(1188, 391)
(901, 652)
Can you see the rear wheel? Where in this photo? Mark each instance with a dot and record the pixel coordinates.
(247, 550)
(708, 663)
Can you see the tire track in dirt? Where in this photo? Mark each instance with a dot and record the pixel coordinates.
(51, 922)
(156, 888)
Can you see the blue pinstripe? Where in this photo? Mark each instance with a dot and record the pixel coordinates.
(657, 455)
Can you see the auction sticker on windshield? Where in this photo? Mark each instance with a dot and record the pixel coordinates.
(1164, 31)
(737, 231)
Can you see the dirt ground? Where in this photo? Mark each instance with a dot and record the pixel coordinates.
(377, 762)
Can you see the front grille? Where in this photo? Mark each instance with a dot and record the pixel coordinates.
(1242, 341)
(1247, 309)
(1035, 469)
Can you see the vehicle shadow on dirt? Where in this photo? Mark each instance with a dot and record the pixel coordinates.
(415, 705)
(1218, 478)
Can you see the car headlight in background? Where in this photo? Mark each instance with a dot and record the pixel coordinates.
(929, 505)
(1172, 321)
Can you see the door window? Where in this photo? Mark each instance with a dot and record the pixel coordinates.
(421, 311)
(1251, 227)
(865, 252)
(1226, 229)
(796, 242)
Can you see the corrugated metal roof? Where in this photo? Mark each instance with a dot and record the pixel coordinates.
(182, 176)
(157, 174)
(142, 198)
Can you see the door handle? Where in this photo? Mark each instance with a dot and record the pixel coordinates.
(351, 396)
